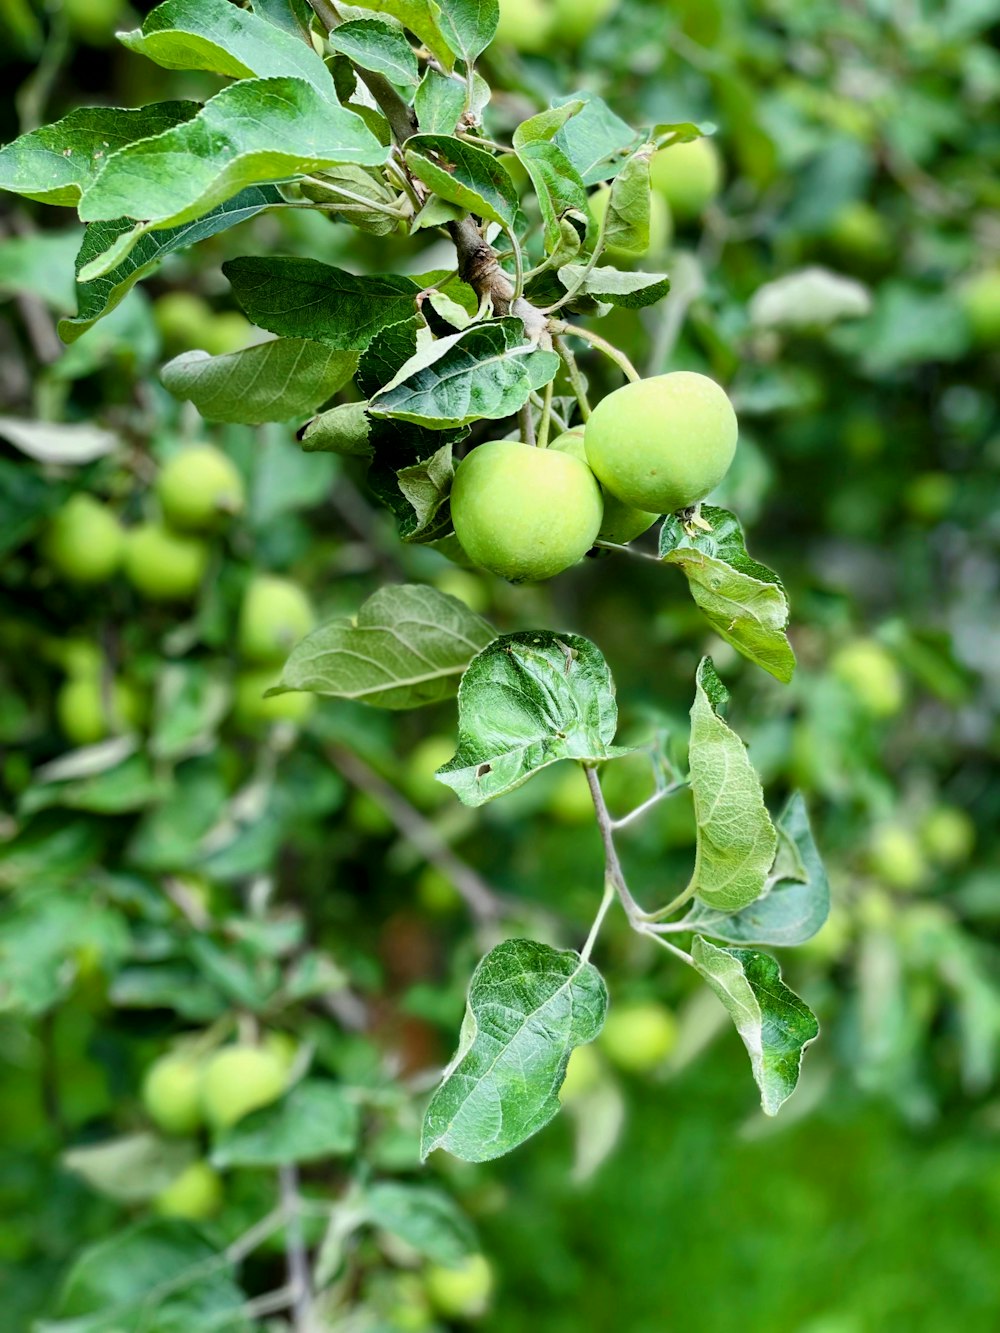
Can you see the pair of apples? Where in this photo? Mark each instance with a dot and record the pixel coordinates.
(653, 447)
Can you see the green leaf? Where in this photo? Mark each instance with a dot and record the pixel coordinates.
(469, 25)
(796, 901)
(40, 264)
(316, 1119)
(343, 429)
(625, 225)
(160, 1276)
(40, 942)
(221, 37)
(743, 600)
(407, 647)
(57, 163)
(557, 187)
(526, 701)
(338, 183)
(426, 486)
(773, 1022)
(271, 381)
(192, 698)
(595, 140)
(102, 294)
(486, 371)
(423, 18)
(736, 839)
(376, 45)
(427, 1220)
(438, 102)
(255, 132)
(133, 1168)
(545, 125)
(69, 443)
(128, 785)
(631, 290)
(529, 1005)
(464, 175)
(302, 298)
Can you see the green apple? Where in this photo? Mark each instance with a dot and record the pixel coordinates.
(583, 1073)
(194, 1195)
(252, 710)
(435, 892)
(896, 857)
(979, 297)
(93, 21)
(525, 24)
(872, 675)
(664, 443)
(283, 1046)
(575, 20)
(84, 541)
(86, 715)
(638, 1036)
(425, 759)
(688, 176)
(240, 1079)
(948, 835)
(182, 318)
(525, 513)
(467, 587)
(198, 486)
(661, 227)
(163, 565)
(621, 523)
(461, 1292)
(276, 613)
(858, 231)
(226, 332)
(171, 1093)
(571, 801)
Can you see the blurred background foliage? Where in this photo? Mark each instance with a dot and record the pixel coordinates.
(232, 863)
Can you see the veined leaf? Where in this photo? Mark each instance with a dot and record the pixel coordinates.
(438, 102)
(773, 1022)
(595, 140)
(525, 702)
(557, 186)
(254, 132)
(302, 298)
(529, 1005)
(625, 225)
(743, 600)
(219, 36)
(101, 295)
(272, 381)
(407, 647)
(631, 290)
(486, 371)
(423, 18)
(469, 25)
(545, 125)
(376, 45)
(314, 1120)
(343, 429)
(796, 901)
(736, 839)
(464, 175)
(56, 163)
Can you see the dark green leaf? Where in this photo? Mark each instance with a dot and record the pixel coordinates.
(439, 102)
(315, 1120)
(343, 429)
(464, 175)
(376, 45)
(595, 140)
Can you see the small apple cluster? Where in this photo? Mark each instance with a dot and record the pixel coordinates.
(654, 446)
(166, 560)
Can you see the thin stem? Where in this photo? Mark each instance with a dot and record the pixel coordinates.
(546, 417)
(398, 172)
(482, 901)
(612, 866)
(518, 266)
(243, 1245)
(480, 142)
(296, 1254)
(558, 419)
(675, 904)
(648, 804)
(575, 376)
(527, 421)
(602, 345)
(602, 911)
(629, 550)
(326, 13)
(270, 1303)
(588, 268)
(674, 949)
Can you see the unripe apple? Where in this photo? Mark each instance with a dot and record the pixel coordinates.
(525, 24)
(198, 486)
(575, 20)
(571, 801)
(194, 1195)
(638, 1036)
(980, 299)
(525, 513)
(872, 675)
(435, 892)
(229, 331)
(92, 21)
(688, 176)
(275, 614)
(240, 1079)
(621, 523)
(462, 1292)
(182, 318)
(895, 856)
(948, 835)
(252, 710)
(583, 1073)
(425, 759)
(164, 566)
(283, 1046)
(661, 227)
(467, 587)
(858, 231)
(86, 716)
(171, 1093)
(664, 443)
(84, 541)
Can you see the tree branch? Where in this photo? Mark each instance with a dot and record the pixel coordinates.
(402, 118)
